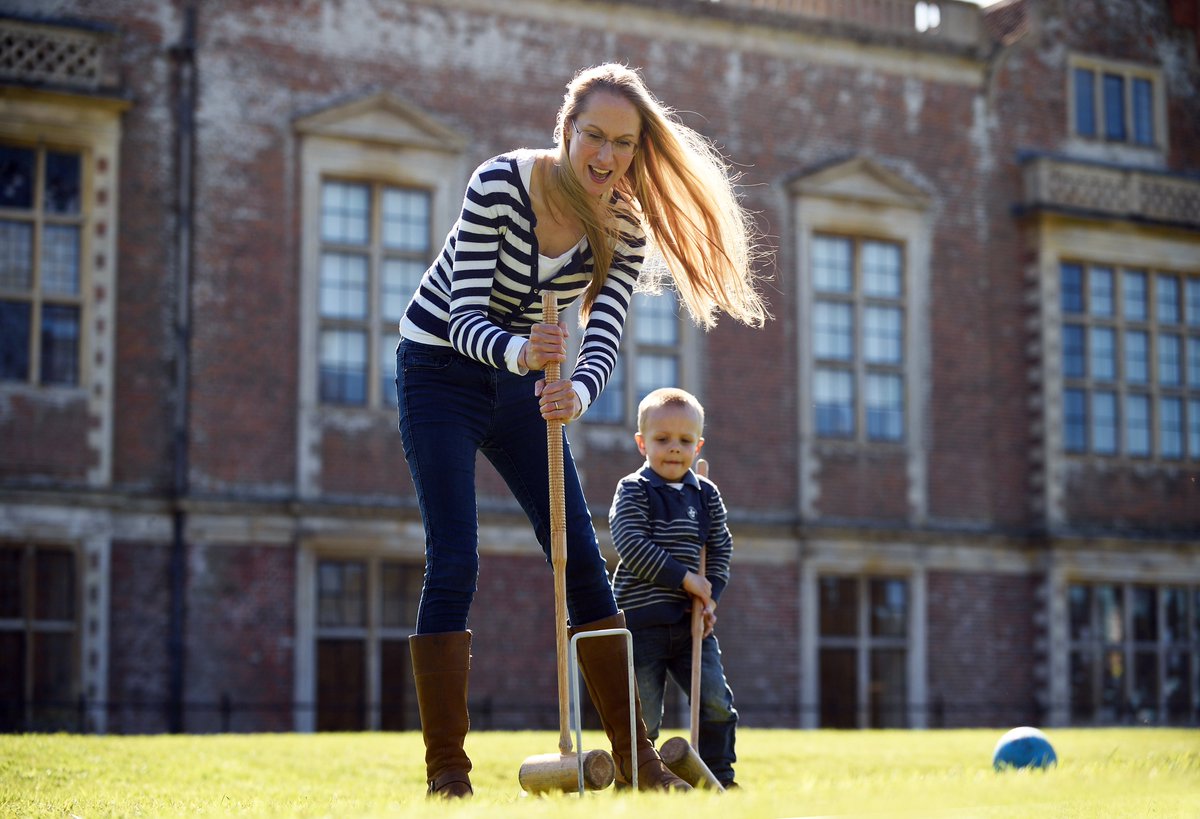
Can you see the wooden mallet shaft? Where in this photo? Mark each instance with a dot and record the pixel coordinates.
(682, 757)
(551, 772)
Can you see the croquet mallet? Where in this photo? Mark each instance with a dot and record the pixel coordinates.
(682, 757)
(561, 771)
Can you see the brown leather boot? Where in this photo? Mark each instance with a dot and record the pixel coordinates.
(604, 663)
(440, 665)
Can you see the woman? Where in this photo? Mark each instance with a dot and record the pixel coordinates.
(575, 221)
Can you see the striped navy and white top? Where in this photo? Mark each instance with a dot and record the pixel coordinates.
(658, 530)
(483, 293)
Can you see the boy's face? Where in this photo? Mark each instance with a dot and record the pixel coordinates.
(670, 441)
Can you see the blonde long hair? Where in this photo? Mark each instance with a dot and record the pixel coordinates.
(681, 188)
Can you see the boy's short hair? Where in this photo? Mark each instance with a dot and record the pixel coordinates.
(668, 397)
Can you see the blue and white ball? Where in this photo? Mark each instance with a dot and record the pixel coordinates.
(1024, 747)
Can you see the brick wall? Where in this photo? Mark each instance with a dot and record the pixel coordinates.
(982, 654)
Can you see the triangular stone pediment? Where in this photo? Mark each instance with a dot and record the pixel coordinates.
(381, 117)
(861, 180)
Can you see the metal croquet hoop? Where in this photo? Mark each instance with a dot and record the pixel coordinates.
(575, 694)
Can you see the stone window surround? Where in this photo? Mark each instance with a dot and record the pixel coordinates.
(1116, 244)
(861, 198)
(91, 126)
(381, 139)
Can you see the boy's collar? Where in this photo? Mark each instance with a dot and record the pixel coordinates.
(658, 480)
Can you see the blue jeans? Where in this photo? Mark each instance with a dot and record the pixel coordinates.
(659, 651)
(452, 407)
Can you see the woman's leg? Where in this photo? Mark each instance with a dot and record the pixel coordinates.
(440, 396)
(517, 448)
(443, 402)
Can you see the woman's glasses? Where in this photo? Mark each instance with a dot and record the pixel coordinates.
(595, 139)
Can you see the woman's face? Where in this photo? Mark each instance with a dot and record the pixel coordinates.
(613, 121)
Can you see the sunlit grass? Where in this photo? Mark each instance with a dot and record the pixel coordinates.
(1101, 773)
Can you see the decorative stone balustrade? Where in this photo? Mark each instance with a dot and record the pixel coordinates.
(57, 56)
(1127, 193)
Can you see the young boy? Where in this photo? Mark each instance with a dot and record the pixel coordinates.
(660, 517)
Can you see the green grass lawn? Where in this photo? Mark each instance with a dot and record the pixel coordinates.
(1101, 772)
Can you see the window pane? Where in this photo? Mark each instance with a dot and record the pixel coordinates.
(401, 593)
(397, 694)
(885, 407)
(1110, 604)
(609, 407)
(1079, 605)
(12, 681)
(345, 213)
(1137, 357)
(54, 584)
(11, 585)
(14, 341)
(1071, 285)
(62, 183)
(53, 682)
(1170, 427)
(1133, 293)
(60, 345)
(656, 318)
(1112, 685)
(1143, 112)
(60, 260)
(406, 220)
(1100, 291)
(1085, 102)
(387, 367)
(16, 177)
(654, 371)
(1137, 424)
(1193, 425)
(833, 393)
(889, 607)
(341, 593)
(1104, 353)
(833, 330)
(883, 341)
(1104, 423)
(1083, 689)
(1193, 301)
(888, 689)
(1175, 624)
(1144, 693)
(341, 685)
(831, 265)
(16, 255)
(838, 606)
(400, 280)
(343, 376)
(881, 269)
(1177, 686)
(1169, 368)
(1145, 613)
(1167, 297)
(1074, 360)
(1075, 421)
(1114, 107)
(1193, 361)
(343, 285)
(839, 688)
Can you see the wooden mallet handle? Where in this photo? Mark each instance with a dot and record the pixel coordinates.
(697, 632)
(558, 539)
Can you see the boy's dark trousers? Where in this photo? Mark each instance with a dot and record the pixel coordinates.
(665, 651)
